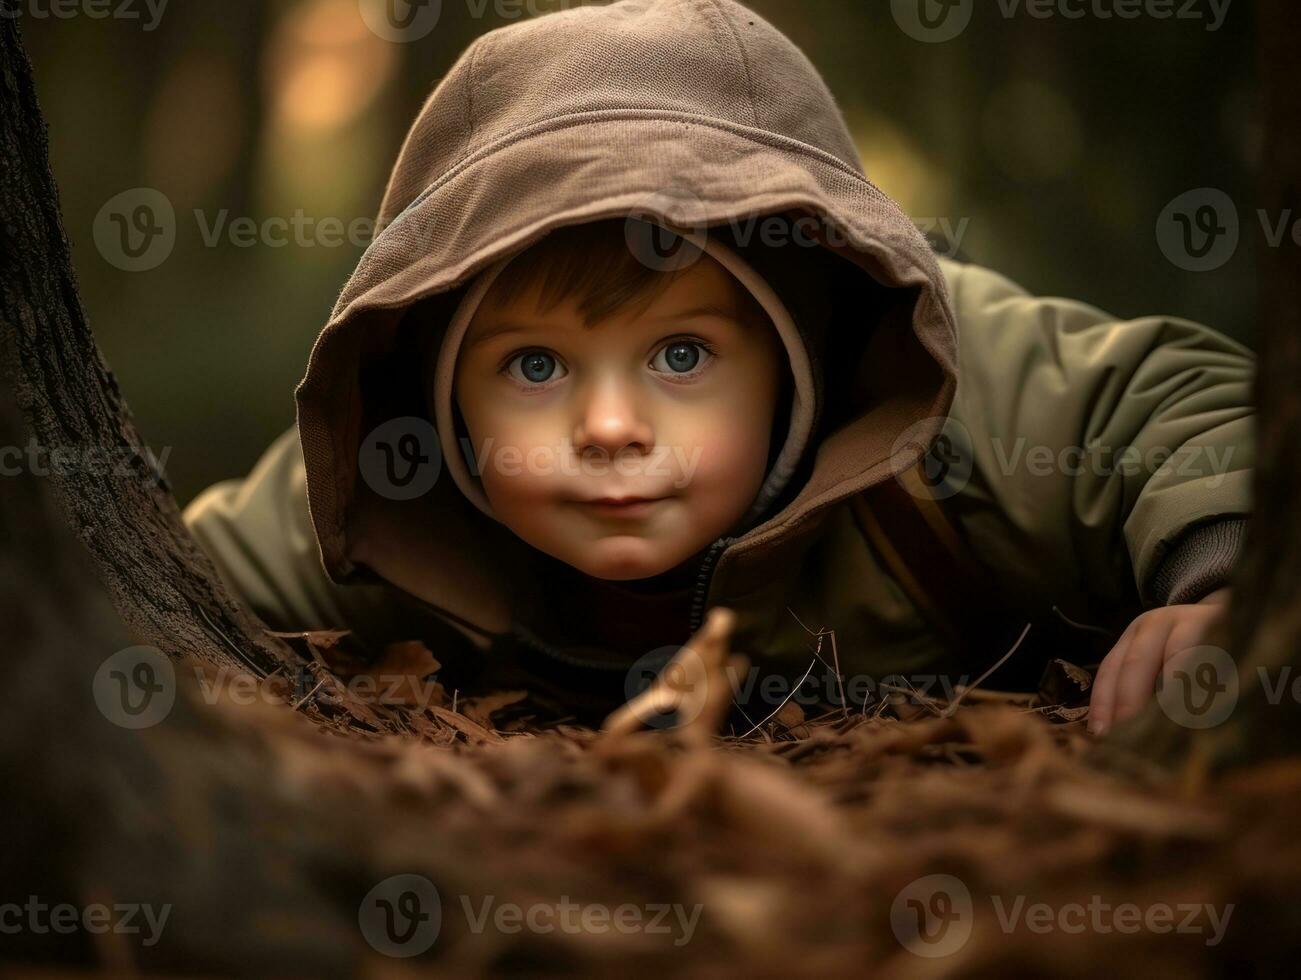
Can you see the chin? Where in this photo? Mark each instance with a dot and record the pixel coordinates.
(623, 560)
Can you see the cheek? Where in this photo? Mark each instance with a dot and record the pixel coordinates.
(729, 461)
(513, 489)
(724, 449)
(518, 459)
(512, 446)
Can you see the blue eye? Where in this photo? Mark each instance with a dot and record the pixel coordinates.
(535, 368)
(680, 357)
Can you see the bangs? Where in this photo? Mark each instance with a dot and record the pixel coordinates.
(592, 265)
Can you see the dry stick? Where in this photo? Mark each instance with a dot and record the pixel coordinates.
(745, 714)
(783, 704)
(925, 700)
(710, 650)
(822, 717)
(816, 634)
(835, 653)
(308, 696)
(1082, 626)
(243, 658)
(948, 712)
(840, 681)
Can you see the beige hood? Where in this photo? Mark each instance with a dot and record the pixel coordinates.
(696, 114)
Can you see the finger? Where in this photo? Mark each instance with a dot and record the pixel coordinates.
(1137, 680)
(1103, 699)
(1192, 630)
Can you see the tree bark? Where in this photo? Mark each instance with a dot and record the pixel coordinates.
(82, 436)
(101, 813)
(178, 816)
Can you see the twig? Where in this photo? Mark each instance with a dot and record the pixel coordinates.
(925, 700)
(746, 715)
(783, 704)
(308, 696)
(835, 653)
(840, 681)
(1081, 626)
(953, 707)
(248, 662)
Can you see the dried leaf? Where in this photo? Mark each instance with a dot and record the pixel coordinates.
(1063, 683)
(333, 649)
(695, 684)
(482, 709)
(791, 717)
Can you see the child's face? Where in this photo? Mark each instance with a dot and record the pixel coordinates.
(625, 447)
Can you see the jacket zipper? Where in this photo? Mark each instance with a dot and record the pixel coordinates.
(703, 580)
(538, 645)
(699, 596)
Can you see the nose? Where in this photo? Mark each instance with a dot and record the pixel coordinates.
(611, 420)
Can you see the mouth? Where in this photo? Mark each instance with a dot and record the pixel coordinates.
(624, 507)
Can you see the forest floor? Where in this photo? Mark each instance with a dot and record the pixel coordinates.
(912, 837)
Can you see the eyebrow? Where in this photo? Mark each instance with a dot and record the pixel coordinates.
(508, 327)
(712, 309)
(495, 331)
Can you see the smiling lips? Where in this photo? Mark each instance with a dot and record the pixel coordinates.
(626, 507)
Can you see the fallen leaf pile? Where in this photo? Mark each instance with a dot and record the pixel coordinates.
(907, 840)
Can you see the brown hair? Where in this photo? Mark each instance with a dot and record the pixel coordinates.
(595, 265)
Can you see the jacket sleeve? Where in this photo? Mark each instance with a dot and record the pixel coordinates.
(259, 534)
(1104, 458)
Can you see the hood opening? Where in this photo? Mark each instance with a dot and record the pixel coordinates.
(790, 438)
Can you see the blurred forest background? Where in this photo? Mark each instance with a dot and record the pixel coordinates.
(1052, 145)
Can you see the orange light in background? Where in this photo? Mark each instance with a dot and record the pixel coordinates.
(323, 138)
(324, 67)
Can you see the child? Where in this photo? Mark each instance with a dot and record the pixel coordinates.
(538, 431)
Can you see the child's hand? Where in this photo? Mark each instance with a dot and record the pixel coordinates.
(1127, 677)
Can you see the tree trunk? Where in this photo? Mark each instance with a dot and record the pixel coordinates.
(99, 813)
(102, 813)
(82, 436)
